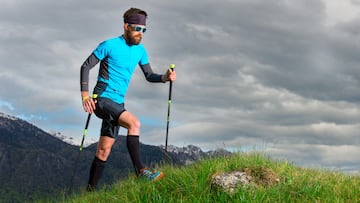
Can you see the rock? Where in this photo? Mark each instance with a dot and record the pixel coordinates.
(230, 181)
(254, 176)
(263, 176)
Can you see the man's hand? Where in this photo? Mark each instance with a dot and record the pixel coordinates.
(170, 75)
(87, 102)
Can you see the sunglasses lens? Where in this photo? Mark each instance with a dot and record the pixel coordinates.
(138, 29)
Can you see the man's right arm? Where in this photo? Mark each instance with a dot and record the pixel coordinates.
(88, 64)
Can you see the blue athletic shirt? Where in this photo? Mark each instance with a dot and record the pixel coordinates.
(118, 62)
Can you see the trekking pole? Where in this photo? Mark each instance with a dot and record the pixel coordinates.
(80, 149)
(172, 66)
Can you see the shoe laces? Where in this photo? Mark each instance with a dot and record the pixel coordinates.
(147, 173)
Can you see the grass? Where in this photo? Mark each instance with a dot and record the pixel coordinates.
(192, 184)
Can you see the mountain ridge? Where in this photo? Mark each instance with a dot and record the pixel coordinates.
(35, 163)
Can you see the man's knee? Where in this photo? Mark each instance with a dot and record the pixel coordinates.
(129, 121)
(104, 147)
(103, 153)
(135, 124)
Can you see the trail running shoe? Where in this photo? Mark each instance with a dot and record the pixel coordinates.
(151, 176)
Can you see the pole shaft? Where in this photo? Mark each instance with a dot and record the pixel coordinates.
(168, 115)
(85, 131)
(81, 148)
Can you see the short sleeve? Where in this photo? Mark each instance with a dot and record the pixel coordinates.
(101, 51)
(144, 59)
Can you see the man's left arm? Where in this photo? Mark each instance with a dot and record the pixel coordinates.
(154, 77)
(150, 75)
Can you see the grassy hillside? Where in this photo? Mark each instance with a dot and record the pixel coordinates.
(192, 184)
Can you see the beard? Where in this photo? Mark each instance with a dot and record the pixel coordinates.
(133, 39)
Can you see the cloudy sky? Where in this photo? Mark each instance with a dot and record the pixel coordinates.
(277, 76)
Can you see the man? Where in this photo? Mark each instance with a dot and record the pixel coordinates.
(118, 59)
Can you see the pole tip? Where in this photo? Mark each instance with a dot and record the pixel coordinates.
(172, 66)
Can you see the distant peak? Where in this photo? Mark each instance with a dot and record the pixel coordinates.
(3, 115)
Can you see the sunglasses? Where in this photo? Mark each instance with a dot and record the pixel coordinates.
(138, 28)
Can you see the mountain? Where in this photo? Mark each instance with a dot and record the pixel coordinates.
(32, 162)
(191, 153)
(70, 140)
(35, 163)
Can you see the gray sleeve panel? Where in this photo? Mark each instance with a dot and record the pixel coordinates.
(149, 74)
(89, 63)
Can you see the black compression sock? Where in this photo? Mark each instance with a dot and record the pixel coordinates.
(96, 170)
(133, 145)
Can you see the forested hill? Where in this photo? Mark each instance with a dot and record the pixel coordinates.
(34, 163)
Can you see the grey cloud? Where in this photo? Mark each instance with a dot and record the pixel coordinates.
(249, 72)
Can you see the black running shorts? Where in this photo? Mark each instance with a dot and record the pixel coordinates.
(109, 112)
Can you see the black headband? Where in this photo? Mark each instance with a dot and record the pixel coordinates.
(138, 19)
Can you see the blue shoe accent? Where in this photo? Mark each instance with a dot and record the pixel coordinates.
(152, 176)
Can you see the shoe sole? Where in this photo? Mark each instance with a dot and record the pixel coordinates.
(159, 177)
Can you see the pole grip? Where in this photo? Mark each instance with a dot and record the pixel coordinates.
(172, 66)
